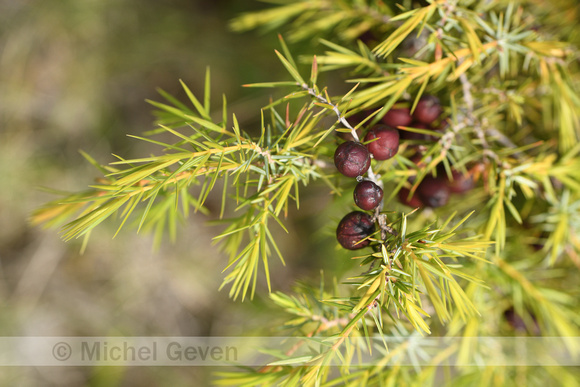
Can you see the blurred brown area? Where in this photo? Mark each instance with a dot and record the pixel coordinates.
(75, 75)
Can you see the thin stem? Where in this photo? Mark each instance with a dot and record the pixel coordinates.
(372, 176)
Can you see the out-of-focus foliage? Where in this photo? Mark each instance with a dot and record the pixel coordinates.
(75, 76)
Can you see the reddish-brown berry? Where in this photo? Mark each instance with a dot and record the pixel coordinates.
(412, 201)
(352, 159)
(461, 183)
(369, 38)
(427, 110)
(433, 191)
(442, 126)
(353, 228)
(398, 117)
(367, 195)
(517, 322)
(417, 159)
(387, 144)
(540, 241)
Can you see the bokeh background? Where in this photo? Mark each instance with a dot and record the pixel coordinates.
(74, 75)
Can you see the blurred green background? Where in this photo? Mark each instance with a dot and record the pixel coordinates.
(75, 75)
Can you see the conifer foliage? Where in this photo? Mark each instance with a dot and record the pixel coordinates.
(457, 140)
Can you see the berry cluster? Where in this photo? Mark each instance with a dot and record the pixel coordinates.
(435, 191)
(426, 116)
(353, 159)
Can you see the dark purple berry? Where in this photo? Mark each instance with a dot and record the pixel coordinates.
(352, 159)
(461, 183)
(427, 110)
(540, 241)
(433, 191)
(367, 195)
(417, 159)
(412, 201)
(369, 38)
(517, 322)
(353, 228)
(398, 117)
(387, 144)
(442, 126)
